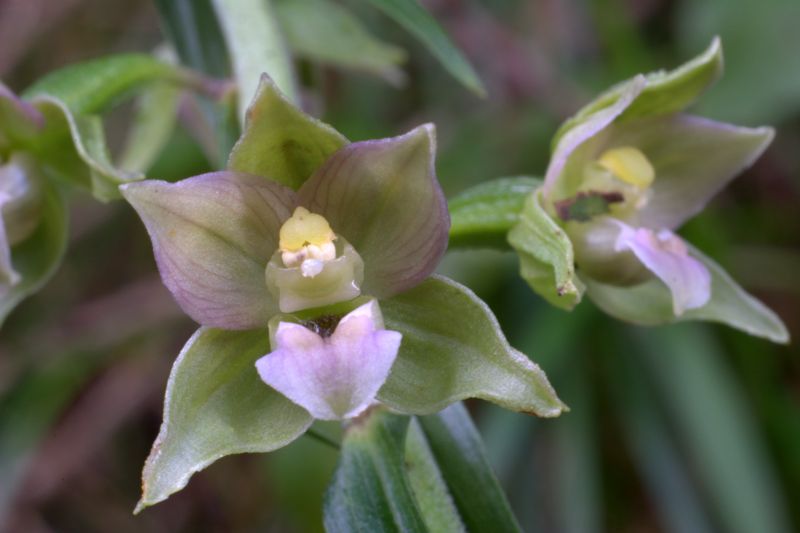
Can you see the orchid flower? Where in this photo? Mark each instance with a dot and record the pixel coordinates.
(309, 265)
(625, 173)
(50, 140)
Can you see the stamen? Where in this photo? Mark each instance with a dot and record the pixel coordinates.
(630, 165)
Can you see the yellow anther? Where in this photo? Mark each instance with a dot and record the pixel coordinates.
(304, 228)
(630, 165)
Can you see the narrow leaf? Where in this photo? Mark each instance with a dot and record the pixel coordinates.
(483, 215)
(416, 20)
(429, 486)
(710, 413)
(152, 127)
(255, 46)
(457, 448)
(94, 86)
(453, 349)
(216, 405)
(324, 31)
(370, 491)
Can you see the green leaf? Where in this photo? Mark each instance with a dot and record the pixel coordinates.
(484, 214)
(324, 31)
(72, 148)
(281, 142)
(95, 86)
(666, 91)
(37, 257)
(545, 255)
(428, 484)
(216, 405)
(458, 451)
(255, 46)
(653, 447)
(453, 349)
(370, 491)
(192, 28)
(715, 424)
(650, 304)
(152, 127)
(413, 17)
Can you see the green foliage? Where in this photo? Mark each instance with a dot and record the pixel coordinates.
(255, 46)
(370, 491)
(457, 449)
(94, 86)
(483, 215)
(413, 17)
(324, 31)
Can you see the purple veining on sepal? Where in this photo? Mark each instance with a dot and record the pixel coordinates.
(212, 236)
(384, 198)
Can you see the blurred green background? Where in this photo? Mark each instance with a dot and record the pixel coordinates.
(691, 428)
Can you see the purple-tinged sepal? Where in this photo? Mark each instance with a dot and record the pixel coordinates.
(384, 198)
(213, 236)
(335, 371)
(626, 172)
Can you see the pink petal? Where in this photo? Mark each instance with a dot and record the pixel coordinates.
(666, 255)
(334, 377)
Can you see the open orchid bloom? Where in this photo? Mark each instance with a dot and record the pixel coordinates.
(308, 263)
(626, 172)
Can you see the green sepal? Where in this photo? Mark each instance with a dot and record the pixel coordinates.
(37, 257)
(546, 256)
(483, 215)
(216, 405)
(324, 31)
(457, 449)
(280, 141)
(666, 91)
(453, 349)
(650, 304)
(370, 491)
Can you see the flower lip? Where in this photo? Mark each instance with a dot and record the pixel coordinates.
(333, 376)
